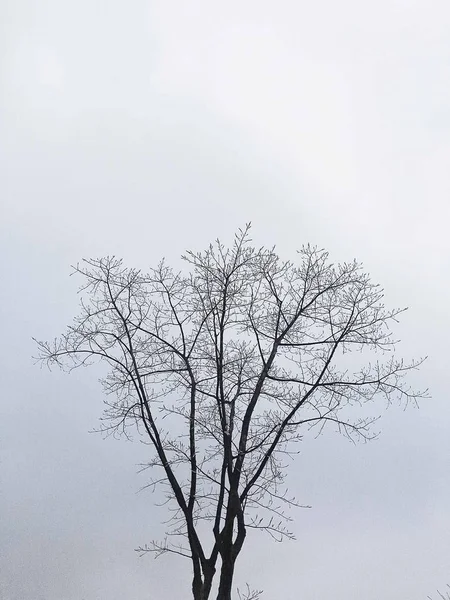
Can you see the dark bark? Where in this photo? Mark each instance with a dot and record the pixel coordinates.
(207, 583)
(201, 585)
(226, 578)
(197, 583)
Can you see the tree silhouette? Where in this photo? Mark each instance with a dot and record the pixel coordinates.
(223, 369)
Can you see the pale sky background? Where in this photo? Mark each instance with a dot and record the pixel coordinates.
(142, 129)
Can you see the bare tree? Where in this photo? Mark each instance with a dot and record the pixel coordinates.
(222, 370)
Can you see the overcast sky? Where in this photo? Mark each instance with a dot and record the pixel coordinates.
(142, 129)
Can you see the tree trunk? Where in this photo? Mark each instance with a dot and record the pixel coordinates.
(197, 585)
(207, 583)
(201, 586)
(226, 579)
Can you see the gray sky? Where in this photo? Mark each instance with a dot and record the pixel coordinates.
(145, 128)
